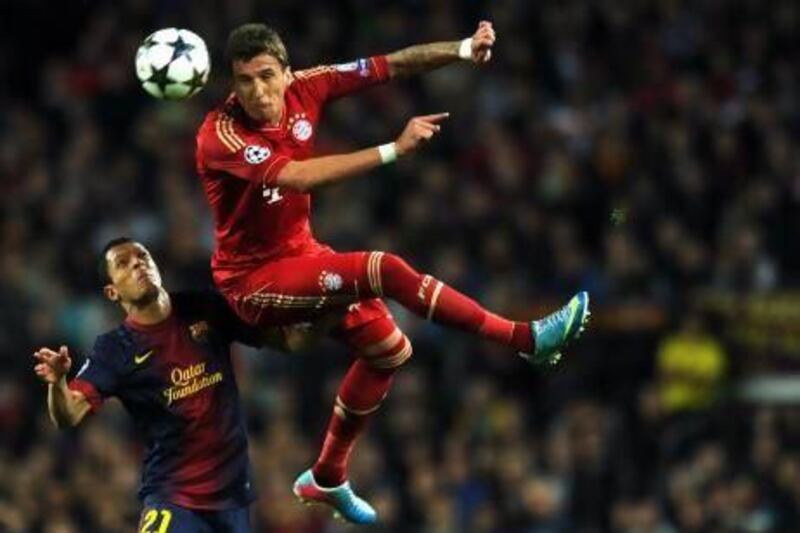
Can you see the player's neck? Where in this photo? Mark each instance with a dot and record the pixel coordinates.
(269, 122)
(152, 313)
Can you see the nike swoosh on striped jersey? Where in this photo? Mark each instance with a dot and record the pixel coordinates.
(139, 359)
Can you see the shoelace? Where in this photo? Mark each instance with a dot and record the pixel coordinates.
(556, 318)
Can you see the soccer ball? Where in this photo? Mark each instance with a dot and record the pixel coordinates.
(172, 64)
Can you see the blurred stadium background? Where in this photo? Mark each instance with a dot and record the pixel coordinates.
(645, 151)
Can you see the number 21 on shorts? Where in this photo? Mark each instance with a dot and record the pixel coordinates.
(156, 521)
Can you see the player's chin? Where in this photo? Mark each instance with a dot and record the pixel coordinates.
(147, 294)
(258, 112)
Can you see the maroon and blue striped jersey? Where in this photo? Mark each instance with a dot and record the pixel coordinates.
(176, 380)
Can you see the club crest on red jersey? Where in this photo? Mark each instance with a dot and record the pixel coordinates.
(302, 130)
(255, 154)
(330, 281)
(301, 127)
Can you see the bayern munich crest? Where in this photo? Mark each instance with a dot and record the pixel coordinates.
(330, 281)
(255, 154)
(302, 130)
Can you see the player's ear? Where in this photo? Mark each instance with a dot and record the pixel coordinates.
(111, 293)
(287, 74)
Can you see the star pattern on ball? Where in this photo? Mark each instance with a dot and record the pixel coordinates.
(197, 81)
(148, 43)
(160, 77)
(181, 48)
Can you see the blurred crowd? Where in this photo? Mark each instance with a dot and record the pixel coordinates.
(639, 150)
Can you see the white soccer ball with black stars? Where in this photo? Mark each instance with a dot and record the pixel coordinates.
(172, 64)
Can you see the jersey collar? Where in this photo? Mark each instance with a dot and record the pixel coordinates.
(151, 328)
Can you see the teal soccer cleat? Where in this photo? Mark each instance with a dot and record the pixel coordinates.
(342, 499)
(556, 330)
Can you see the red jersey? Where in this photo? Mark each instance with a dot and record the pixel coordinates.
(238, 162)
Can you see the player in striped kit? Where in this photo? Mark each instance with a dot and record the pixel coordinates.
(255, 160)
(169, 364)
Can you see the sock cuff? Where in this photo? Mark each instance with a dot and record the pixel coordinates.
(494, 323)
(326, 489)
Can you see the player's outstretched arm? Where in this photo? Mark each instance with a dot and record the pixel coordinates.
(67, 407)
(424, 57)
(306, 175)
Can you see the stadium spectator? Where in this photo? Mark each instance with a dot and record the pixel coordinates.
(640, 150)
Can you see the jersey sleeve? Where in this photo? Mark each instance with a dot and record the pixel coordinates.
(332, 81)
(220, 147)
(97, 379)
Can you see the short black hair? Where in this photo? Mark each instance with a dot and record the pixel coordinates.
(102, 264)
(249, 40)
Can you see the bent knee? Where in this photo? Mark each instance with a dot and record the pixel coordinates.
(391, 352)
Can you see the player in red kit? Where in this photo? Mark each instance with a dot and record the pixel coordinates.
(255, 160)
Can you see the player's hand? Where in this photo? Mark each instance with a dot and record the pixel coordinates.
(482, 42)
(52, 366)
(418, 130)
(299, 337)
(302, 335)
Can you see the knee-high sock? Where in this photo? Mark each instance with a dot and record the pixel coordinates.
(381, 348)
(389, 275)
(360, 395)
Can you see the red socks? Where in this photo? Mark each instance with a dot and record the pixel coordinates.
(442, 304)
(367, 382)
(360, 395)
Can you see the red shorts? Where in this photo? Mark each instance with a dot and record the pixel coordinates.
(303, 288)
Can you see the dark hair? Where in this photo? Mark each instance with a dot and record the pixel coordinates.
(102, 264)
(249, 40)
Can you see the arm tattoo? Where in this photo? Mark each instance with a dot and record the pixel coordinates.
(422, 58)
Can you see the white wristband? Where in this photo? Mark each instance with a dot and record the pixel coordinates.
(465, 49)
(388, 153)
